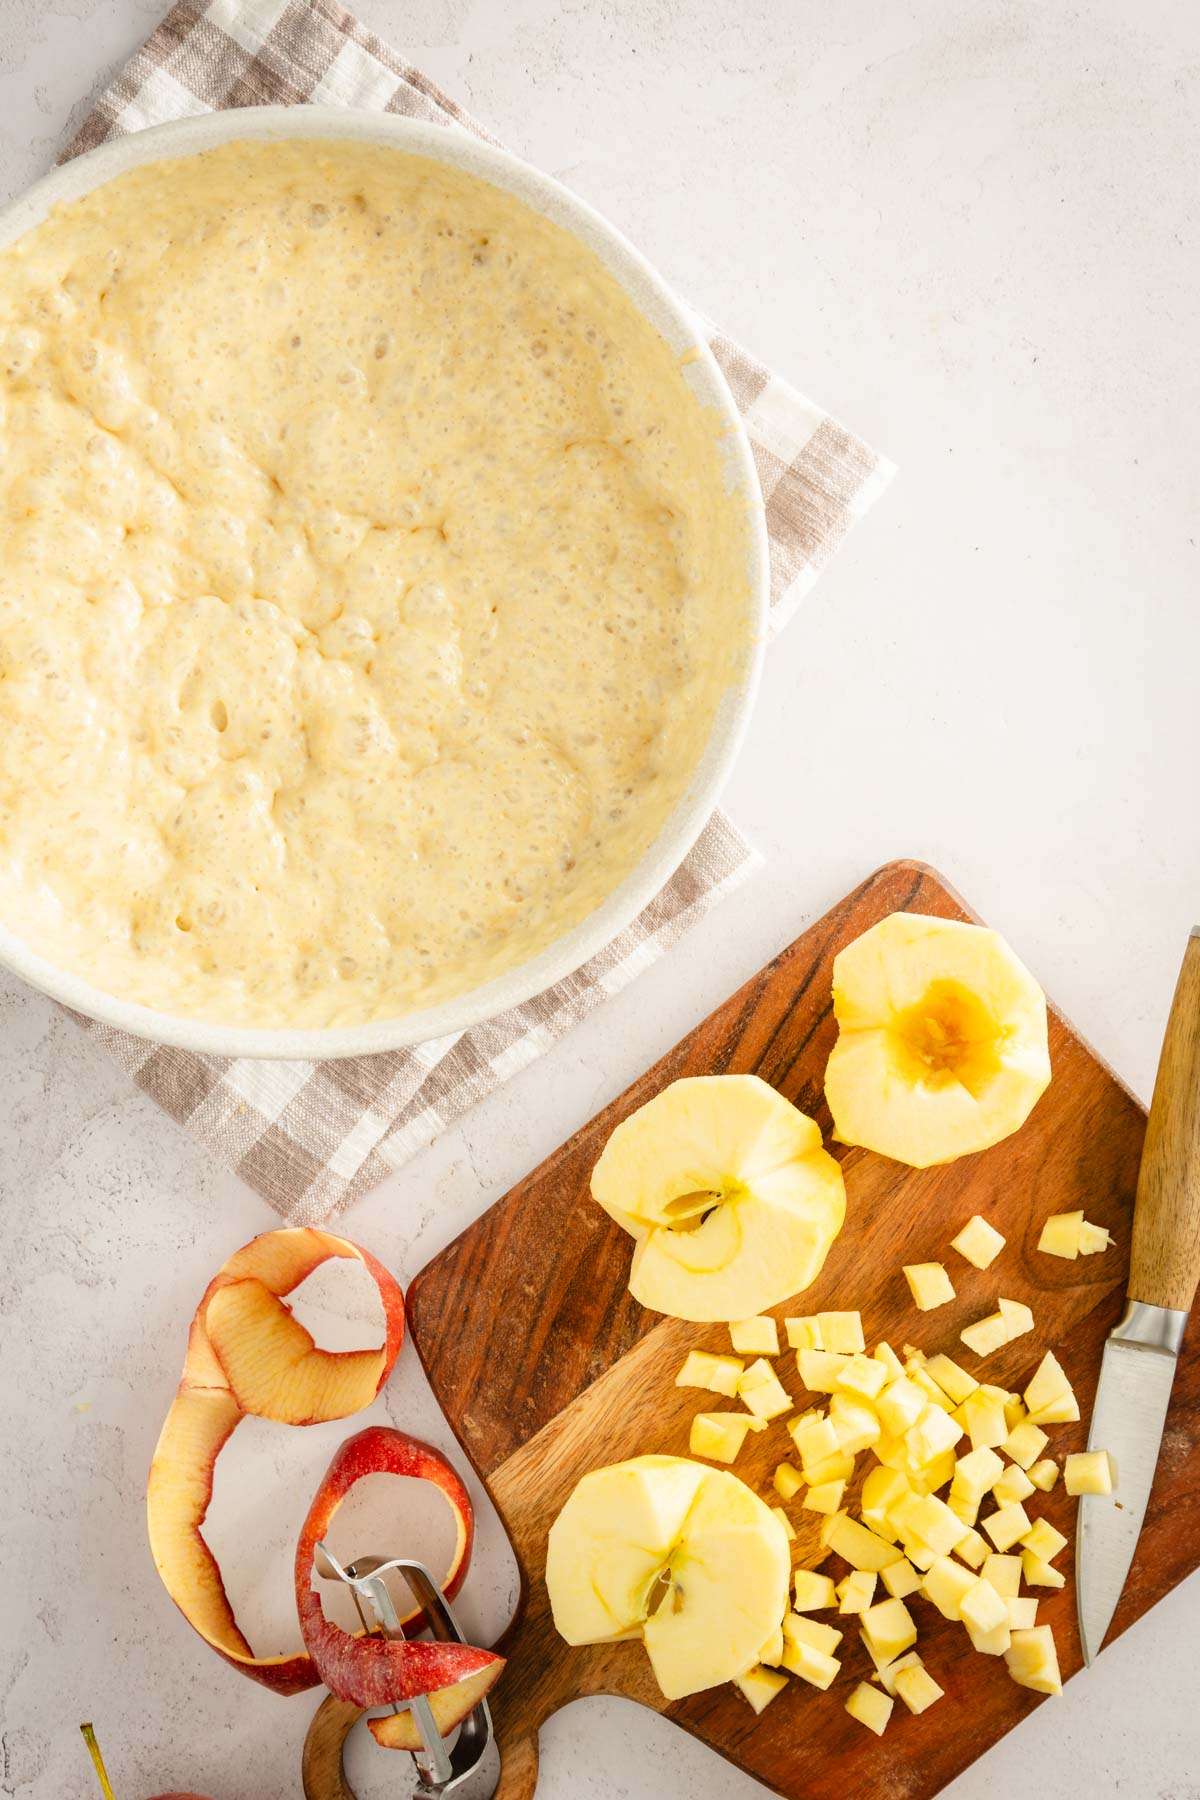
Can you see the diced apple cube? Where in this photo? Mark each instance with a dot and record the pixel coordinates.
(803, 1334)
(1014, 1411)
(720, 1436)
(694, 1371)
(979, 1242)
(1043, 1540)
(945, 1584)
(839, 1467)
(810, 1665)
(1060, 1235)
(1044, 1474)
(1039, 1573)
(719, 1374)
(951, 1379)
(858, 1546)
(772, 1651)
(881, 1489)
(755, 1337)
(961, 1507)
(798, 1629)
(983, 1417)
(1007, 1526)
(1022, 1612)
(929, 1387)
(862, 1376)
(789, 1530)
(1004, 1573)
(1090, 1472)
(916, 1686)
(819, 1369)
(857, 1591)
(841, 1331)
(973, 1550)
(929, 1285)
(829, 1525)
(900, 1579)
(825, 1497)
(760, 1390)
(1033, 1660)
(1014, 1484)
(1017, 1317)
(892, 1451)
(1093, 1239)
(986, 1334)
(977, 1473)
(1025, 1443)
(990, 1643)
(813, 1590)
(982, 1609)
(870, 1707)
(854, 1422)
(933, 1523)
(787, 1481)
(814, 1437)
(900, 1405)
(885, 1669)
(891, 1362)
(928, 1477)
(760, 1685)
(921, 1556)
(1063, 1411)
(934, 1433)
(1049, 1383)
(889, 1628)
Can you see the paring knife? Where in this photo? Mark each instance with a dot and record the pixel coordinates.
(1141, 1352)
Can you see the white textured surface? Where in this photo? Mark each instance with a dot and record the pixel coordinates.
(968, 226)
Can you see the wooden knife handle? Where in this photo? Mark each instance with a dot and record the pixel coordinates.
(1164, 1261)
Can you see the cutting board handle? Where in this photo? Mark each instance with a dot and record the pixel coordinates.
(518, 1768)
(1164, 1260)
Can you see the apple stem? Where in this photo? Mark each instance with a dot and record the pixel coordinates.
(89, 1738)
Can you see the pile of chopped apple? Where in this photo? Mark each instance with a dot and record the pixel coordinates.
(931, 1427)
(733, 1203)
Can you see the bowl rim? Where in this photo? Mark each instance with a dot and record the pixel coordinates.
(447, 143)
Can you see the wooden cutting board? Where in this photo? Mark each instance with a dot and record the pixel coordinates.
(546, 1368)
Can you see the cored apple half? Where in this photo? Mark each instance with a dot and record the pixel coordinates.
(376, 1671)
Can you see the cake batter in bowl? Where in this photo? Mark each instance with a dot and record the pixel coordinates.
(384, 585)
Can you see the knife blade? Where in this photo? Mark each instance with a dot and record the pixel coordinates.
(1127, 1421)
(1140, 1354)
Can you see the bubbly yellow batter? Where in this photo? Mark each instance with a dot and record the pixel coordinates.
(368, 583)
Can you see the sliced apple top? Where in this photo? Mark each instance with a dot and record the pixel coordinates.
(942, 1046)
(729, 1193)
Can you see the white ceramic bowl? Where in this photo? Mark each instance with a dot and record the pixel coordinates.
(448, 144)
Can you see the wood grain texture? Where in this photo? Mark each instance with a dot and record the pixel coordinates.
(546, 1367)
(1164, 1261)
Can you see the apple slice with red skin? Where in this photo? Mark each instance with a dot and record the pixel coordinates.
(258, 1359)
(449, 1705)
(375, 1671)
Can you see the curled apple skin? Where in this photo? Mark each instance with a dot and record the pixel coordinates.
(375, 1671)
(257, 1359)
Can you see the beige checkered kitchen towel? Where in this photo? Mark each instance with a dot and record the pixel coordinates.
(312, 1137)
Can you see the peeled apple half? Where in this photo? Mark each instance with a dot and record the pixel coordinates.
(942, 1045)
(729, 1194)
(684, 1556)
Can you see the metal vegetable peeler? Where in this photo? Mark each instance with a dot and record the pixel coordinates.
(468, 1767)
